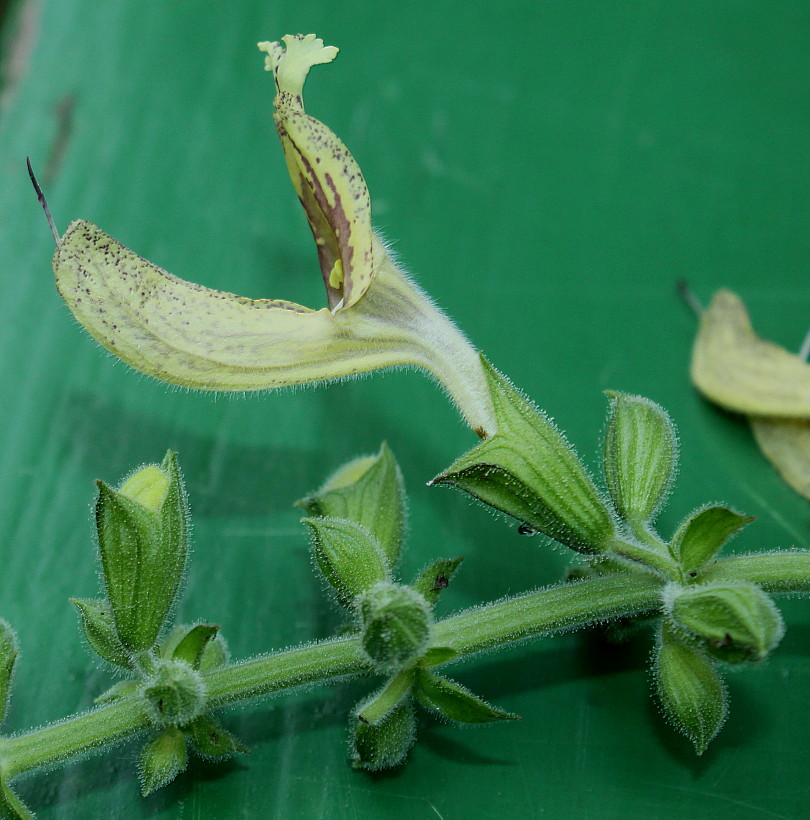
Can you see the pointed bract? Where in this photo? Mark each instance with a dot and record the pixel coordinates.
(211, 740)
(436, 577)
(99, 631)
(702, 534)
(12, 807)
(455, 702)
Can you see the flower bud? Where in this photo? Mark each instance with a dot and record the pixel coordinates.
(369, 491)
(641, 454)
(690, 690)
(395, 625)
(162, 759)
(348, 555)
(385, 744)
(143, 540)
(734, 623)
(175, 693)
(148, 487)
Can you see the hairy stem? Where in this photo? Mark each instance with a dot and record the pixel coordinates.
(647, 554)
(773, 571)
(565, 606)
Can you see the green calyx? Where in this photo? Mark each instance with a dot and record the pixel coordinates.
(370, 492)
(395, 625)
(689, 688)
(162, 759)
(529, 471)
(348, 555)
(174, 694)
(640, 457)
(734, 623)
(385, 744)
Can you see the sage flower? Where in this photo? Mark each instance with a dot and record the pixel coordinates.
(196, 337)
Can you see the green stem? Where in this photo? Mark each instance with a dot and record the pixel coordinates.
(539, 613)
(787, 571)
(647, 555)
(72, 737)
(535, 613)
(284, 670)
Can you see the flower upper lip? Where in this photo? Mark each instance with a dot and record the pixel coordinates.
(327, 179)
(189, 335)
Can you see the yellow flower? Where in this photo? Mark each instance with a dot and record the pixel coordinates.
(185, 334)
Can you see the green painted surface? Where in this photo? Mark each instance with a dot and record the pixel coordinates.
(548, 171)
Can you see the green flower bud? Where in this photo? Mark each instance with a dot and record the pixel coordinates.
(734, 622)
(143, 540)
(162, 759)
(201, 645)
(385, 744)
(690, 690)
(370, 492)
(641, 454)
(191, 648)
(395, 625)
(175, 693)
(348, 555)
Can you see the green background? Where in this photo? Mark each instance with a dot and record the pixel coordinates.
(547, 170)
